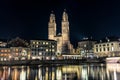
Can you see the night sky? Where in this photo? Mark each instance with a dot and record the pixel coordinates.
(29, 19)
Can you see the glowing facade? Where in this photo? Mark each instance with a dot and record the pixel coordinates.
(63, 39)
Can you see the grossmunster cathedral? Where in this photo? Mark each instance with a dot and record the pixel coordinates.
(63, 39)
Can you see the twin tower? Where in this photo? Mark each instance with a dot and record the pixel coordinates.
(63, 39)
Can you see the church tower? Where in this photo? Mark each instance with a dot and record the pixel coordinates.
(63, 40)
(51, 26)
(65, 32)
(65, 26)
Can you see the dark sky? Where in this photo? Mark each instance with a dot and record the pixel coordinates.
(28, 19)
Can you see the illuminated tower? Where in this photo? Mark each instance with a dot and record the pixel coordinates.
(63, 40)
(65, 26)
(51, 27)
(65, 32)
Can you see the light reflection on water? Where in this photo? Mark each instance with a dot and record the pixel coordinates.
(65, 72)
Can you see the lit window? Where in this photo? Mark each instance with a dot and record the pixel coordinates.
(52, 46)
(17, 54)
(8, 50)
(33, 42)
(5, 50)
(2, 50)
(53, 50)
(17, 50)
(46, 42)
(43, 42)
(47, 50)
(37, 43)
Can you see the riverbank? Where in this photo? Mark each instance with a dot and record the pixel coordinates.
(49, 62)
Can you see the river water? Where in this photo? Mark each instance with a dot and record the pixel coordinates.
(61, 72)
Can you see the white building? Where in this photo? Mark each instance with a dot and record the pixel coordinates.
(109, 48)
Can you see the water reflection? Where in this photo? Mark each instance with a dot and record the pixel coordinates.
(66, 72)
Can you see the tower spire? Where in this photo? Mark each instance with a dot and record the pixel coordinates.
(65, 16)
(52, 17)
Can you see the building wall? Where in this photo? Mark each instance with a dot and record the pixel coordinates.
(20, 53)
(85, 47)
(14, 53)
(5, 54)
(43, 48)
(107, 49)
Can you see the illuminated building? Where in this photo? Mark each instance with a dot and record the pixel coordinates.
(2, 44)
(63, 39)
(85, 47)
(16, 49)
(5, 54)
(108, 47)
(20, 53)
(43, 49)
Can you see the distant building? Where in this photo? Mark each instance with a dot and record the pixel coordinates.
(5, 54)
(43, 49)
(16, 49)
(63, 39)
(107, 47)
(85, 47)
(20, 53)
(3, 44)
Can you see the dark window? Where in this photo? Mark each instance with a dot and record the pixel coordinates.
(108, 49)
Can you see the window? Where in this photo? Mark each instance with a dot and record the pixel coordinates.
(107, 44)
(43, 42)
(33, 42)
(96, 45)
(2, 50)
(37, 46)
(112, 44)
(5, 50)
(96, 49)
(46, 42)
(108, 49)
(47, 50)
(100, 50)
(103, 49)
(37, 43)
(52, 46)
(103, 44)
(16, 49)
(53, 50)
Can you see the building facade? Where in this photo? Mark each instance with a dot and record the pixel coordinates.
(15, 49)
(107, 49)
(5, 54)
(43, 49)
(63, 39)
(85, 47)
